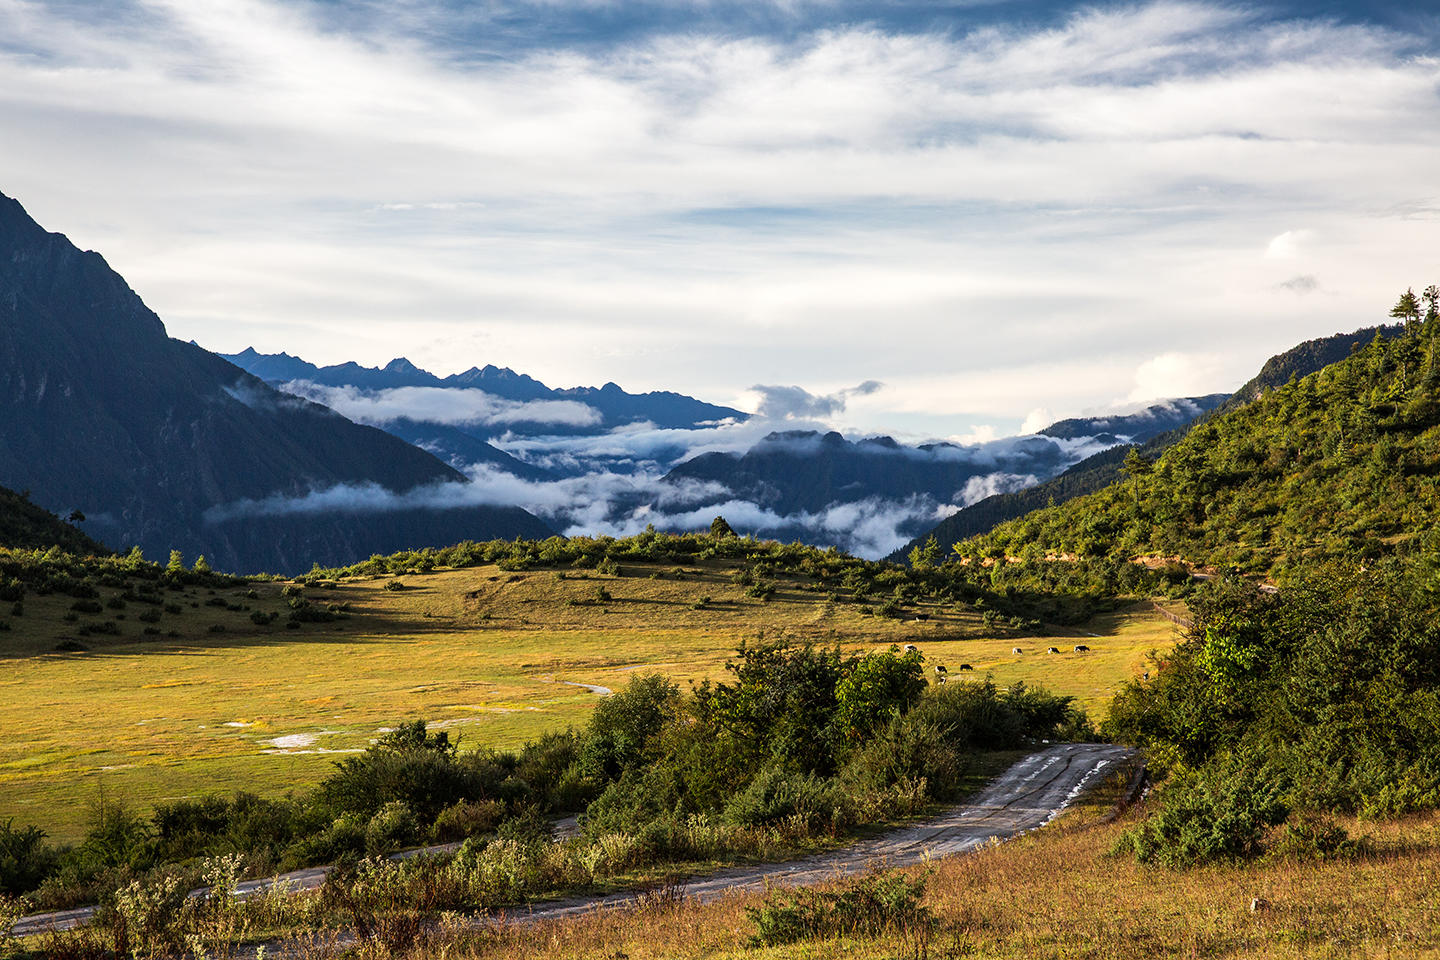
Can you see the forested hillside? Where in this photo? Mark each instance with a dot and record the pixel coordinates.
(1102, 469)
(1337, 464)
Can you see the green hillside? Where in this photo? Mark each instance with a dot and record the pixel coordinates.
(1338, 464)
(27, 526)
(1099, 471)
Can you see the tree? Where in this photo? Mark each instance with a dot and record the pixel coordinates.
(1407, 308)
(923, 558)
(1431, 296)
(719, 529)
(177, 562)
(201, 564)
(1136, 465)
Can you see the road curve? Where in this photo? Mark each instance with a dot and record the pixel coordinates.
(1027, 796)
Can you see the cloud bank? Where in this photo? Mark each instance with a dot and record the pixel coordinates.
(454, 406)
(988, 215)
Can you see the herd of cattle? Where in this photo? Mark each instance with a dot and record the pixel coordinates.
(942, 673)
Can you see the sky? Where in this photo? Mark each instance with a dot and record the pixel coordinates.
(952, 219)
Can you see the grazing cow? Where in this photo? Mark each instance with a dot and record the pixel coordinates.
(1147, 675)
(1081, 648)
(922, 616)
(1016, 650)
(940, 669)
(910, 648)
(1053, 650)
(966, 666)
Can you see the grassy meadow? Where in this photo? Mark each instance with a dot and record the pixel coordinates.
(210, 701)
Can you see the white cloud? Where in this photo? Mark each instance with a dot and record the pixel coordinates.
(1287, 246)
(962, 216)
(1036, 420)
(447, 405)
(1174, 375)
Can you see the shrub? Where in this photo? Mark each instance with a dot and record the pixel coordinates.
(25, 858)
(911, 750)
(1215, 815)
(87, 606)
(622, 724)
(777, 794)
(468, 818)
(409, 765)
(394, 585)
(1311, 836)
(393, 826)
(865, 906)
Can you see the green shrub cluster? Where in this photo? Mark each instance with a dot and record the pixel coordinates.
(1322, 698)
(867, 906)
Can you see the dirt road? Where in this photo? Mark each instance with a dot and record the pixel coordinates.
(1028, 795)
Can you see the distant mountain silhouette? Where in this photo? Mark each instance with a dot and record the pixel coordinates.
(102, 412)
(1140, 426)
(614, 406)
(1099, 471)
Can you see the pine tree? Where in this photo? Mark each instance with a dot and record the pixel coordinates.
(1407, 308)
(177, 562)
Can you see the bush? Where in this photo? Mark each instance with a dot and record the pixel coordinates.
(25, 858)
(1311, 836)
(468, 818)
(865, 906)
(393, 826)
(394, 585)
(914, 749)
(622, 724)
(410, 765)
(775, 794)
(1216, 815)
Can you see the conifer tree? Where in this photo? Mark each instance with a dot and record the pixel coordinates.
(1407, 308)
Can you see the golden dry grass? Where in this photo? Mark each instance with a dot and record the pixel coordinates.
(1059, 894)
(486, 653)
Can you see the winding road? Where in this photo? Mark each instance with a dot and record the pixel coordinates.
(1027, 796)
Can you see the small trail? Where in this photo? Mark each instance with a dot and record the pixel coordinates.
(1026, 797)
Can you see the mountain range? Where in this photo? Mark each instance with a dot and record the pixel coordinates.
(161, 444)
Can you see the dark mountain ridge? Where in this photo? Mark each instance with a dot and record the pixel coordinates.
(103, 412)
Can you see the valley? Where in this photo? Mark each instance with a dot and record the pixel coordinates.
(486, 654)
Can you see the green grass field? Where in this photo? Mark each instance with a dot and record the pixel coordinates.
(487, 654)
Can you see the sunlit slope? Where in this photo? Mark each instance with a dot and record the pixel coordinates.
(1339, 464)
